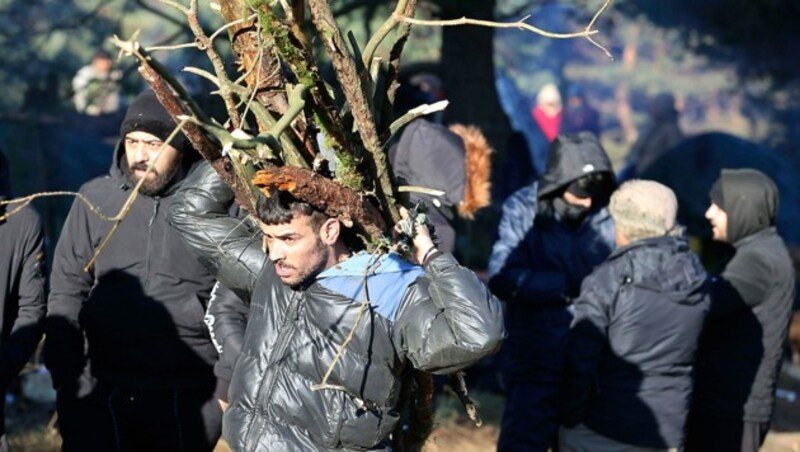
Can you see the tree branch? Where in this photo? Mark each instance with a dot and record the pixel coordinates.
(163, 84)
(261, 67)
(333, 198)
(383, 31)
(350, 81)
(587, 33)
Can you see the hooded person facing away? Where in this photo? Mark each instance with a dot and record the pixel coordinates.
(456, 161)
(22, 288)
(142, 378)
(552, 234)
(630, 351)
(742, 344)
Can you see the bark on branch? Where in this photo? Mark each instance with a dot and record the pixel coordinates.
(336, 200)
(350, 80)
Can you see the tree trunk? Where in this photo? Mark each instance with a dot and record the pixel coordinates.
(467, 71)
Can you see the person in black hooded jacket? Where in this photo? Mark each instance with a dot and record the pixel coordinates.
(22, 288)
(551, 235)
(740, 351)
(631, 347)
(455, 161)
(130, 355)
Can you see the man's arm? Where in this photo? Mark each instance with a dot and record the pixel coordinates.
(510, 274)
(226, 318)
(27, 329)
(586, 340)
(65, 353)
(226, 246)
(451, 320)
(742, 285)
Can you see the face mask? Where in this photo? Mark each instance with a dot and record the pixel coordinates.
(570, 214)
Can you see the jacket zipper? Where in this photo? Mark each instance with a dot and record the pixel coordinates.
(149, 244)
(265, 391)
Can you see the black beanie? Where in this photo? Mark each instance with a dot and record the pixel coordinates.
(146, 114)
(716, 194)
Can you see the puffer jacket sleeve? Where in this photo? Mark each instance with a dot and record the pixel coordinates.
(226, 246)
(448, 320)
(226, 318)
(511, 272)
(585, 343)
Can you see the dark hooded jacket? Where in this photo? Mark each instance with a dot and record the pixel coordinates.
(439, 319)
(141, 304)
(536, 269)
(740, 351)
(428, 155)
(455, 161)
(632, 343)
(22, 285)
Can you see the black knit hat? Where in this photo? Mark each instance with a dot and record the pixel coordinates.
(716, 194)
(146, 114)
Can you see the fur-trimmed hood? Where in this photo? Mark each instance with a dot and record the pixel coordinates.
(456, 161)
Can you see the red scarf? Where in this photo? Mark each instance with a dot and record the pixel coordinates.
(550, 125)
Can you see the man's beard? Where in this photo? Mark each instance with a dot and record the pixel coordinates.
(150, 187)
(307, 278)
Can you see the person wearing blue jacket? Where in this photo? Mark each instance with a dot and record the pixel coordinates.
(631, 348)
(552, 234)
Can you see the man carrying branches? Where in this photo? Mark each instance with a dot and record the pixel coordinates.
(332, 333)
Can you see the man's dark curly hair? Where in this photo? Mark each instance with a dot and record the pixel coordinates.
(281, 207)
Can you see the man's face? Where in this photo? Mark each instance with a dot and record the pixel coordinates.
(102, 65)
(141, 148)
(719, 222)
(297, 250)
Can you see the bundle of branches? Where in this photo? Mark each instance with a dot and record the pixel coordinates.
(287, 127)
(289, 130)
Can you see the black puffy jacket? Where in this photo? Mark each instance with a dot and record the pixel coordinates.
(631, 347)
(441, 319)
(226, 318)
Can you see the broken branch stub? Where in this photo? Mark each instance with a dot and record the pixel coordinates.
(329, 196)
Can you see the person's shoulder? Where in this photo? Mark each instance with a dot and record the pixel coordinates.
(768, 249)
(525, 196)
(26, 219)
(100, 185)
(103, 191)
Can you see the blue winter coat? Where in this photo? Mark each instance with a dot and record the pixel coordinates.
(536, 270)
